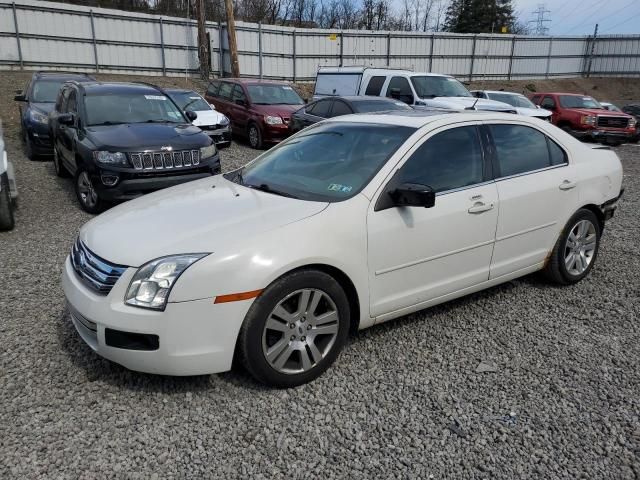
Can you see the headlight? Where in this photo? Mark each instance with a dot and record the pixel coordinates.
(38, 117)
(206, 152)
(224, 121)
(588, 120)
(632, 122)
(118, 159)
(152, 283)
(273, 120)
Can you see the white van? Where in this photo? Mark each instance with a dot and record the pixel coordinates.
(415, 89)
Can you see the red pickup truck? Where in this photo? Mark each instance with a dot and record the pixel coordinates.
(584, 118)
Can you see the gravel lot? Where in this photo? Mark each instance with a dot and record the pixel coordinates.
(403, 401)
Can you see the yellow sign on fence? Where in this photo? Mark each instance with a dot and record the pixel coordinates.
(333, 36)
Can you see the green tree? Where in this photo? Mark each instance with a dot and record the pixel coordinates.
(479, 16)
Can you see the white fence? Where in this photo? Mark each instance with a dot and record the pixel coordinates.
(47, 35)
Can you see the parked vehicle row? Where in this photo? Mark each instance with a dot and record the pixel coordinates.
(522, 104)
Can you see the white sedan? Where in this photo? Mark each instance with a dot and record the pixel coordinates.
(522, 104)
(349, 223)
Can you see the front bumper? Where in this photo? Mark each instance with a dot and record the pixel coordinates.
(132, 184)
(221, 136)
(189, 338)
(599, 134)
(275, 133)
(41, 142)
(608, 208)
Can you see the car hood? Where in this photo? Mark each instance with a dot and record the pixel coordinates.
(281, 110)
(597, 111)
(194, 217)
(533, 112)
(147, 136)
(461, 103)
(46, 108)
(208, 117)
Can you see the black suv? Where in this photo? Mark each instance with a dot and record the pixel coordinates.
(37, 101)
(121, 140)
(634, 109)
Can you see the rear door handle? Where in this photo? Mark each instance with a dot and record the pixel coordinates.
(567, 185)
(480, 207)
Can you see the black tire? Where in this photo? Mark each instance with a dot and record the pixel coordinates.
(88, 202)
(250, 339)
(59, 168)
(6, 209)
(556, 269)
(255, 136)
(28, 149)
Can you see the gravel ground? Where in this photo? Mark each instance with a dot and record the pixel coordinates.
(405, 399)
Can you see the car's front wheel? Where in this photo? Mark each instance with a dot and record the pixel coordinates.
(576, 250)
(295, 329)
(255, 136)
(88, 197)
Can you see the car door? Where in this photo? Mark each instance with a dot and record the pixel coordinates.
(417, 255)
(319, 111)
(238, 110)
(67, 133)
(223, 100)
(536, 185)
(211, 95)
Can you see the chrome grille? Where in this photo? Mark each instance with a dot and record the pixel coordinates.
(164, 160)
(97, 273)
(613, 122)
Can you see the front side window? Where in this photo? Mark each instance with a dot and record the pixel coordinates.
(431, 86)
(576, 101)
(72, 106)
(238, 94)
(225, 90)
(549, 103)
(447, 161)
(375, 86)
(275, 94)
(190, 101)
(399, 88)
(114, 108)
(212, 90)
(328, 162)
(523, 149)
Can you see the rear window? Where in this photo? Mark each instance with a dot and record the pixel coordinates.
(379, 106)
(375, 86)
(337, 83)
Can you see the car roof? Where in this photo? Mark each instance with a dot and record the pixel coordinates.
(561, 93)
(420, 118)
(180, 90)
(358, 98)
(498, 92)
(378, 71)
(62, 76)
(253, 81)
(91, 88)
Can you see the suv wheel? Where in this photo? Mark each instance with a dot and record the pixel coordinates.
(28, 148)
(576, 250)
(295, 329)
(87, 194)
(6, 209)
(255, 137)
(60, 169)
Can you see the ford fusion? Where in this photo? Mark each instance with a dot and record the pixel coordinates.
(121, 140)
(349, 223)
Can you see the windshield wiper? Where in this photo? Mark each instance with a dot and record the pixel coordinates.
(106, 123)
(157, 121)
(263, 187)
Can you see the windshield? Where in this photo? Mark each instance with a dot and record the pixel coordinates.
(328, 162)
(512, 99)
(110, 109)
(273, 95)
(430, 87)
(575, 101)
(365, 106)
(45, 91)
(190, 101)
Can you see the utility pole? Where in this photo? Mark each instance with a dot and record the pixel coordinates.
(540, 20)
(231, 33)
(592, 50)
(204, 53)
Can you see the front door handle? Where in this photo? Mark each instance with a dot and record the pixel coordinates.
(567, 185)
(480, 207)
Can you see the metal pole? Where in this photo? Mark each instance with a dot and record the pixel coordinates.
(549, 57)
(341, 48)
(473, 57)
(220, 50)
(294, 56)
(164, 64)
(593, 48)
(93, 36)
(433, 40)
(15, 24)
(389, 49)
(260, 49)
(513, 49)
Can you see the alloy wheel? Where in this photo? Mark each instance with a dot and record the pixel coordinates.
(88, 195)
(580, 247)
(253, 137)
(300, 331)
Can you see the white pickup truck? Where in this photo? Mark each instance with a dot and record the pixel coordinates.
(8, 190)
(417, 89)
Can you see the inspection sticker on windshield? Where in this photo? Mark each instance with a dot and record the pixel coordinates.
(336, 187)
(194, 98)
(284, 87)
(155, 97)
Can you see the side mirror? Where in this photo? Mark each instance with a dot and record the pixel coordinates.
(395, 93)
(305, 100)
(191, 116)
(413, 195)
(241, 102)
(20, 98)
(66, 119)
(213, 107)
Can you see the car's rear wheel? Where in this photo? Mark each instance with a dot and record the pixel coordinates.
(576, 250)
(60, 169)
(88, 197)
(255, 136)
(6, 208)
(295, 329)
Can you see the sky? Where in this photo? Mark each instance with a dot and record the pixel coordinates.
(578, 17)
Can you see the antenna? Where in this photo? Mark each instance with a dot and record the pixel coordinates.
(473, 107)
(540, 20)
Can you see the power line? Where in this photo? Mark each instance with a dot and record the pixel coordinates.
(623, 22)
(572, 13)
(617, 12)
(540, 21)
(600, 20)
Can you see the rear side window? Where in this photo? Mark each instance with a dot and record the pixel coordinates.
(320, 108)
(212, 90)
(375, 86)
(523, 149)
(448, 160)
(238, 94)
(340, 108)
(225, 90)
(548, 102)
